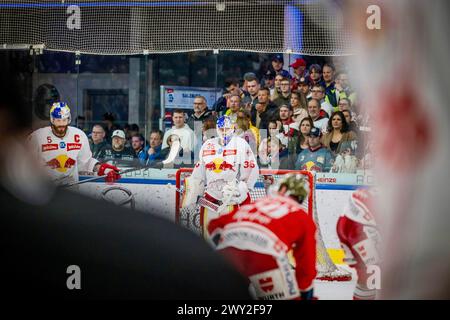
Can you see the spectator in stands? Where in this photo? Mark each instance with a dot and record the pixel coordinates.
(299, 67)
(287, 123)
(353, 126)
(304, 88)
(275, 129)
(155, 147)
(109, 125)
(318, 92)
(278, 78)
(243, 131)
(261, 116)
(231, 87)
(182, 130)
(316, 157)
(269, 81)
(315, 75)
(277, 63)
(320, 121)
(298, 101)
(284, 98)
(248, 116)
(343, 87)
(97, 141)
(264, 97)
(118, 151)
(201, 113)
(301, 142)
(331, 94)
(252, 89)
(234, 107)
(298, 116)
(137, 143)
(273, 154)
(337, 132)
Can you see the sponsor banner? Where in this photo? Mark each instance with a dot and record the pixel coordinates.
(176, 97)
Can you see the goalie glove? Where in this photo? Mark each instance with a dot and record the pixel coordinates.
(234, 194)
(193, 188)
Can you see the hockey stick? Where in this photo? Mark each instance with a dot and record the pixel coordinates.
(101, 177)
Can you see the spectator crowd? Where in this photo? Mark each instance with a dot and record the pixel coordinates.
(307, 120)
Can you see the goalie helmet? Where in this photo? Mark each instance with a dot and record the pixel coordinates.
(225, 129)
(60, 110)
(292, 185)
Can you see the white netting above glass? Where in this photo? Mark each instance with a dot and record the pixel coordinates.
(135, 27)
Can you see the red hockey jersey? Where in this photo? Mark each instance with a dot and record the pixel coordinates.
(257, 238)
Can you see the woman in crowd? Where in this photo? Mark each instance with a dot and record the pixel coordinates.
(298, 101)
(300, 141)
(338, 132)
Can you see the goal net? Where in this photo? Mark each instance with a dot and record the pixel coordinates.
(190, 217)
(164, 26)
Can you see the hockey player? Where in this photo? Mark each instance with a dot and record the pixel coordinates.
(228, 167)
(64, 150)
(257, 238)
(359, 236)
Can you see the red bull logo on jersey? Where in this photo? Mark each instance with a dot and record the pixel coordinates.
(61, 163)
(311, 166)
(219, 165)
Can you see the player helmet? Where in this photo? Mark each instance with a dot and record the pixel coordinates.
(294, 185)
(60, 110)
(225, 129)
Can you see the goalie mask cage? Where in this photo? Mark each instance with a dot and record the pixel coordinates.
(190, 218)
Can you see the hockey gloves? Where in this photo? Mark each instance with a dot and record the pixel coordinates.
(111, 172)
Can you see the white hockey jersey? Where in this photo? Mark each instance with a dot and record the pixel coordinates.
(219, 164)
(63, 157)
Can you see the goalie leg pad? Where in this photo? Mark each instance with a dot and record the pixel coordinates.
(193, 188)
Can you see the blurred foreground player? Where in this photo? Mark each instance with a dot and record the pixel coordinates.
(64, 150)
(122, 254)
(257, 238)
(360, 239)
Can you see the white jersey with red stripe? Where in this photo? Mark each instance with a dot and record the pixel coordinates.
(63, 157)
(220, 164)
